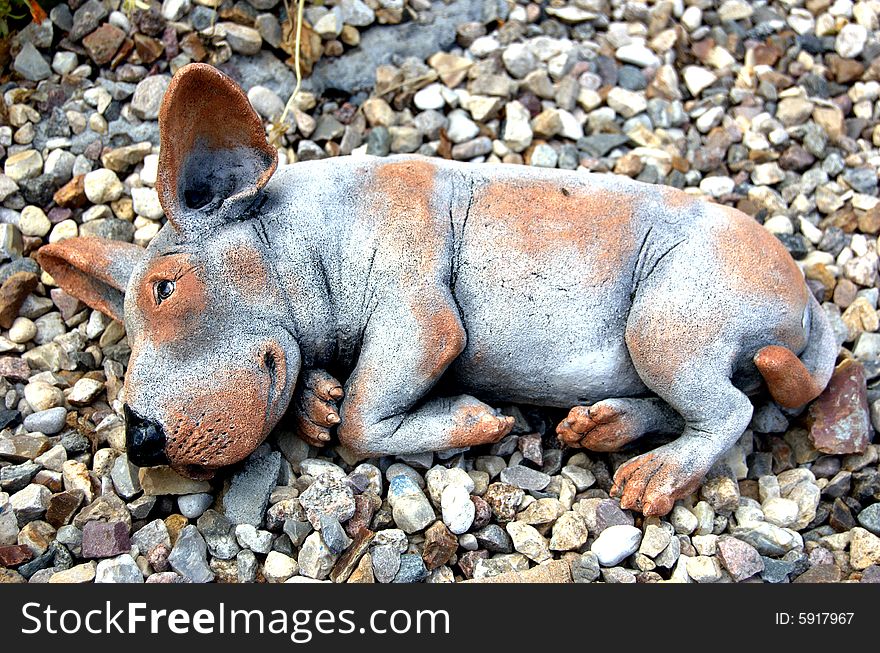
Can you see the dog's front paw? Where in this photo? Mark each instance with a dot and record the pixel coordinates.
(316, 406)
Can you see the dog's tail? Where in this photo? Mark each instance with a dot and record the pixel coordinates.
(794, 381)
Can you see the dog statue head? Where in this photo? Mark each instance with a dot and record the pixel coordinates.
(212, 365)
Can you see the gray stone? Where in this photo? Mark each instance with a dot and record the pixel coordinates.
(266, 102)
(616, 543)
(315, 559)
(355, 70)
(328, 495)
(242, 39)
(411, 509)
(30, 64)
(30, 503)
(189, 556)
(147, 98)
(585, 568)
(519, 60)
(333, 534)
(246, 566)
(248, 495)
(49, 421)
(15, 477)
(219, 534)
(150, 536)
(193, 506)
(494, 538)
(582, 478)
(870, 518)
(297, 530)
(121, 569)
(525, 478)
(125, 477)
(768, 539)
(544, 156)
(411, 569)
(8, 522)
(175, 9)
(356, 13)
(386, 562)
(457, 508)
(654, 541)
(250, 538)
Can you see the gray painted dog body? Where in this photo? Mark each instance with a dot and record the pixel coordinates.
(644, 309)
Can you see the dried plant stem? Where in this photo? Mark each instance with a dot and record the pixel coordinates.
(281, 122)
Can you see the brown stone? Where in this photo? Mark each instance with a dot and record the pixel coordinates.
(826, 573)
(365, 505)
(63, 506)
(767, 55)
(844, 70)
(440, 545)
(467, 562)
(175, 523)
(105, 540)
(749, 488)
(820, 272)
(13, 292)
(864, 549)
(451, 68)
(629, 164)
(482, 512)
(10, 576)
(860, 316)
(72, 195)
(106, 508)
(14, 369)
(869, 221)
(831, 120)
(840, 421)
(844, 218)
(363, 573)
(555, 571)
(17, 554)
(530, 447)
(845, 293)
(37, 536)
(192, 45)
(103, 43)
(67, 304)
(27, 447)
(740, 558)
(349, 560)
(158, 557)
(148, 48)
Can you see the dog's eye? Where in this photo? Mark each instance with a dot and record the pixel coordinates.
(164, 289)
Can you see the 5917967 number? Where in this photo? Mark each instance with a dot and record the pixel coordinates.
(815, 618)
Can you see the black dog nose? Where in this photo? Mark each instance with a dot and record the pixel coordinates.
(144, 439)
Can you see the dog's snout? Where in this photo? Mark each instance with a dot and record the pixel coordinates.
(144, 440)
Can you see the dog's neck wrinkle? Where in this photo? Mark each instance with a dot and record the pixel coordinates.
(302, 251)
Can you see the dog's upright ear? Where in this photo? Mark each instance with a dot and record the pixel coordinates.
(214, 156)
(94, 270)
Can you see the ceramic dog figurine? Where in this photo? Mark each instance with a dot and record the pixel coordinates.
(636, 306)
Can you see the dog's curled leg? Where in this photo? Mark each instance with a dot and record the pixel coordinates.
(408, 345)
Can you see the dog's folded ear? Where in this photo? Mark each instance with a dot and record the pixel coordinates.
(214, 157)
(94, 270)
